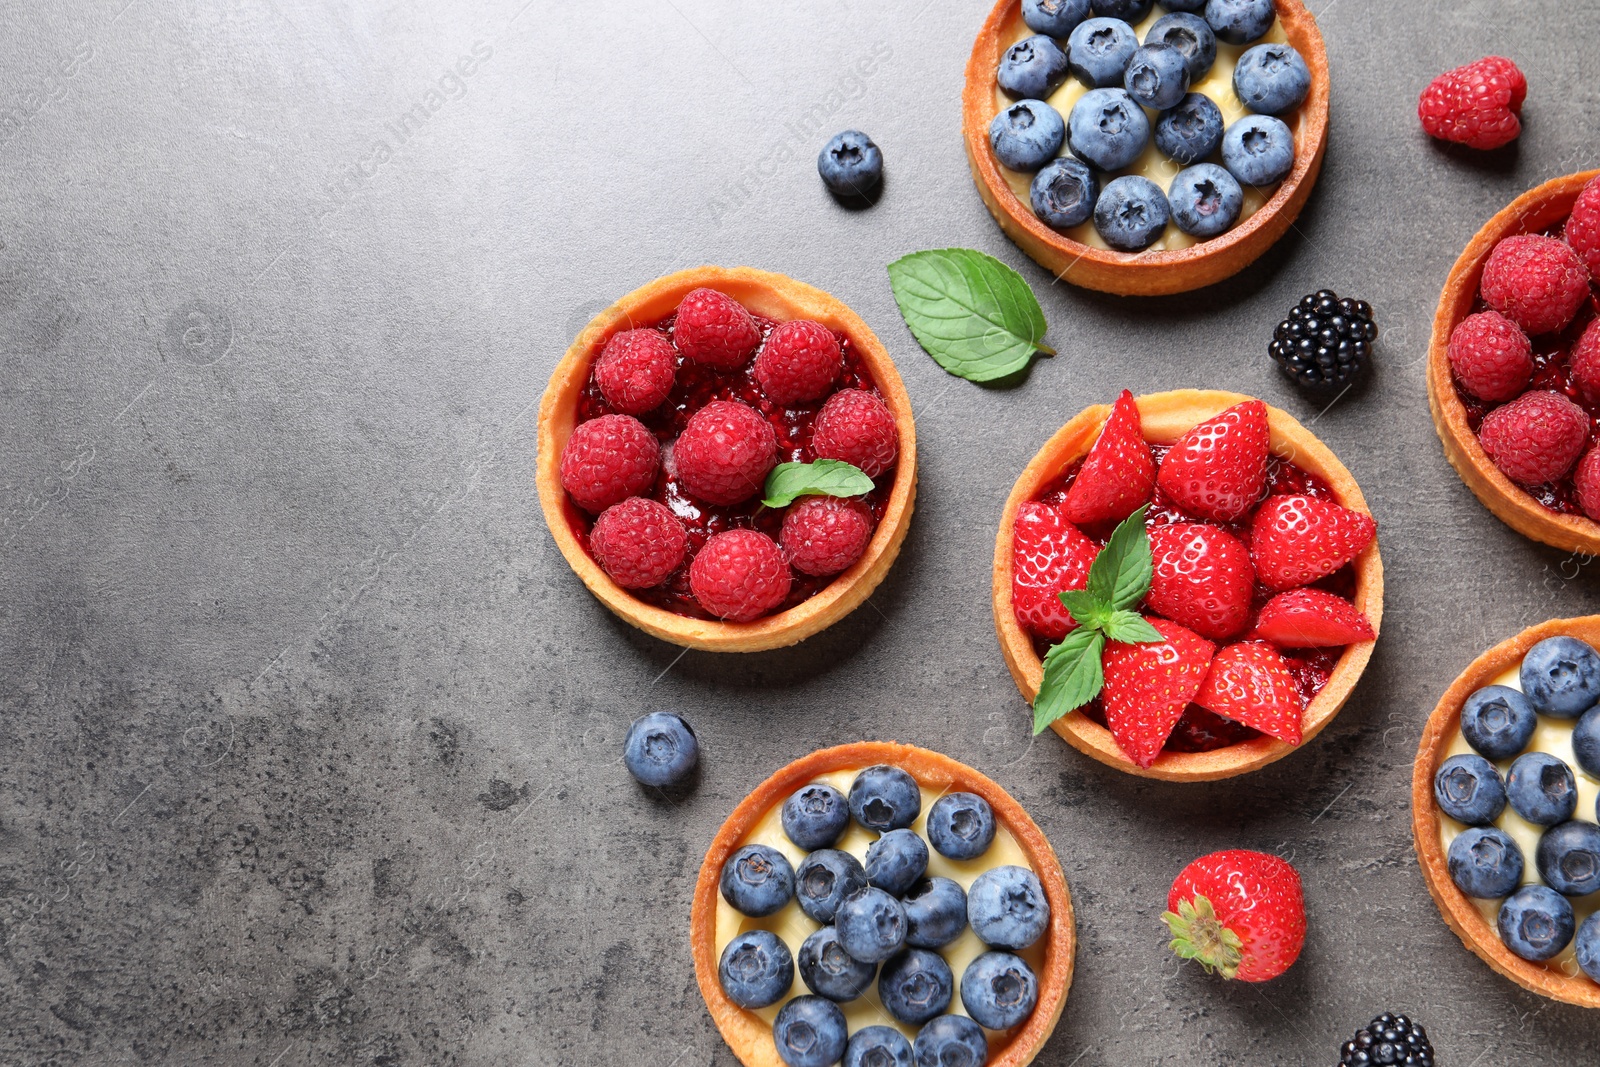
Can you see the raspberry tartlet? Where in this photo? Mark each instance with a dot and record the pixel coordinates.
(666, 427)
(1259, 606)
(1234, 158)
(882, 894)
(1507, 739)
(1514, 364)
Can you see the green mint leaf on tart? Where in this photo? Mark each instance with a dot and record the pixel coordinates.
(1120, 575)
(824, 477)
(973, 314)
(1072, 676)
(1130, 628)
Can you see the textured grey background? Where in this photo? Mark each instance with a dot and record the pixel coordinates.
(309, 735)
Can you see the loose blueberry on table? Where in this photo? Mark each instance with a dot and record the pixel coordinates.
(661, 750)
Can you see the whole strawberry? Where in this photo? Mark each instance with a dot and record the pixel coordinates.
(1478, 105)
(1238, 913)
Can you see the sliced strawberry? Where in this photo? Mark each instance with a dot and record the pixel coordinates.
(1251, 684)
(1048, 556)
(1148, 686)
(1311, 618)
(1118, 474)
(1202, 578)
(1295, 540)
(1217, 470)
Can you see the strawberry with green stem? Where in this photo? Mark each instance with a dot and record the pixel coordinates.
(1238, 913)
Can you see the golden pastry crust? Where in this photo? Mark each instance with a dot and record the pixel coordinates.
(1145, 273)
(1532, 212)
(1460, 914)
(1166, 417)
(750, 1037)
(772, 296)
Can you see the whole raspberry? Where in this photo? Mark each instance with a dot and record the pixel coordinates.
(1587, 479)
(1585, 363)
(1583, 228)
(739, 575)
(1536, 438)
(1476, 105)
(635, 370)
(1492, 357)
(725, 452)
(799, 362)
(713, 329)
(607, 460)
(1537, 282)
(639, 542)
(857, 427)
(825, 534)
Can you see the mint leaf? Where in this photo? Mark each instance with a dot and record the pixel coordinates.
(1072, 676)
(1085, 607)
(973, 314)
(1120, 575)
(1131, 628)
(825, 477)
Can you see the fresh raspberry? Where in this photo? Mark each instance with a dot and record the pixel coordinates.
(1587, 480)
(1118, 474)
(1312, 618)
(739, 575)
(1295, 540)
(1492, 357)
(1217, 470)
(799, 362)
(712, 328)
(1536, 438)
(607, 460)
(1250, 684)
(823, 535)
(1537, 282)
(1583, 228)
(1476, 105)
(639, 542)
(1585, 363)
(1049, 555)
(725, 452)
(1201, 577)
(857, 427)
(635, 370)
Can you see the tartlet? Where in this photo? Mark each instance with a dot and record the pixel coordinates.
(1459, 912)
(773, 296)
(1149, 273)
(1166, 417)
(1532, 212)
(748, 1036)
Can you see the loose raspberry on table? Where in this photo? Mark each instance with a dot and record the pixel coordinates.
(1583, 228)
(856, 427)
(739, 575)
(1585, 363)
(725, 452)
(824, 535)
(1587, 480)
(799, 362)
(1477, 105)
(1491, 356)
(1537, 282)
(635, 370)
(607, 460)
(638, 542)
(1536, 438)
(714, 329)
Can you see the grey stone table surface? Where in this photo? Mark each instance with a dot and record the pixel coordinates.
(310, 738)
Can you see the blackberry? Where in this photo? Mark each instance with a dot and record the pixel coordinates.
(1388, 1039)
(1326, 342)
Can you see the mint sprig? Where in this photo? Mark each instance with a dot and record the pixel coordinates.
(823, 477)
(973, 314)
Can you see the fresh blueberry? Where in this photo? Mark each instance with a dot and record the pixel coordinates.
(885, 798)
(809, 1032)
(1485, 862)
(850, 164)
(999, 990)
(1057, 18)
(823, 879)
(1064, 193)
(1157, 76)
(1240, 21)
(1205, 200)
(1027, 135)
(1498, 721)
(815, 816)
(756, 969)
(936, 912)
(1568, 858)
(757, 880)
(878, 1046)
(896, 861)
(1536, 923)
(1588, 946)
(1032, 68)
(961, 826)
(1131, 213)
(1007, 908)
(1469, 790)
(1098, 51)
(661, 750)
(1561, 675)
(1271, 79)
(1586, 742)
(829, 971)
(1191, 131)
(951, 1041)
(1107, 129)
(1190, 35)
(916, 985)
(1542, 789)
(1258, 150)
(1132, 12)
(871, 925)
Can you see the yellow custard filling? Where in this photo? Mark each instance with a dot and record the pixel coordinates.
(793, 926)
(1555, 737)
(1154, 164)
